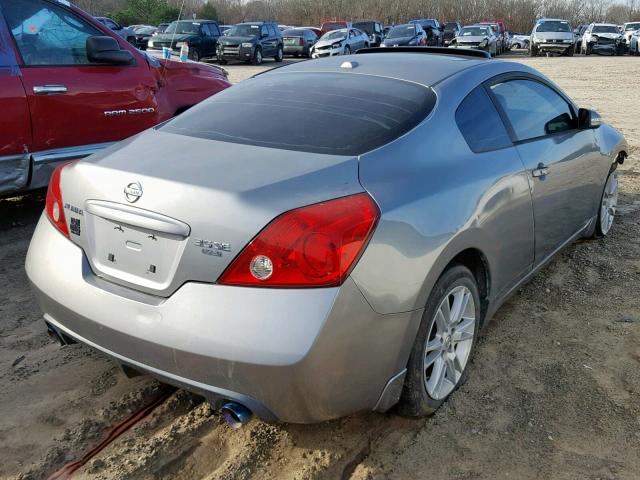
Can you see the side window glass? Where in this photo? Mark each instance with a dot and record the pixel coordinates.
(215, 30)
(533, 109)
(263, 31)
(206, 30)
(47, 34)
(480, 123)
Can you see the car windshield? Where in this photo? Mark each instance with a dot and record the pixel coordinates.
(326, 113)
(450, 26)
(631, 26)
(553, 26)
(243, 31)
(332, 26)
(402, 31)
(335, 35)
(604, 29)
(425, 23)
(145, 30)
(474, 31)
(183, 27)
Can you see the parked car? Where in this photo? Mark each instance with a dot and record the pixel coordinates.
(520, 41)
(123, 32)
(373, 29)
(251, 42)
(603, 38)
(142, 36)
(201, 36)
(409, 35)
(433, 29)
(330, 25)
(386, 30)
(502, 42)
(161, 28)
(298, 42)
(480, 37)
(579, 32)
(627, 31)
(340, 42)
(75, 87)
(634, 43)
(315, 30)
(451, 31)
(272, 265)
(225, 28)
(552, 35)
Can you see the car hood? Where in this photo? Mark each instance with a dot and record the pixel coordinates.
(555, 35)
(190, 190)
(612, 36)
(398, 41)
(325, 43)
(235, 40)
(169, 37)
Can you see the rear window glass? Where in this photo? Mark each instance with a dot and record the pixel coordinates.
(329, 113)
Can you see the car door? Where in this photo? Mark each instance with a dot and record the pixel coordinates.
(15, 122)
(214, 32)
(561, 160)
(75, 105)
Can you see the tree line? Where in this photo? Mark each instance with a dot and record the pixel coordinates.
(518, 15)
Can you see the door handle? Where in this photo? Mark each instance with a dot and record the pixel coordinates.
(541, 171)
(50, 90)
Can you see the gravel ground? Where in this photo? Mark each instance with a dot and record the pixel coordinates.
(553, 391)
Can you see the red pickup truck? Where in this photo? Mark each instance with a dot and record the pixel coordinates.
(69, 87)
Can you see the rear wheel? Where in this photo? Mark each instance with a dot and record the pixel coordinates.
(279, 55)
(194, 55)
(444, 343)
(608, 205)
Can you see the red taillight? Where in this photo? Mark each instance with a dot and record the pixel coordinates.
(54, 205)
(313, 246)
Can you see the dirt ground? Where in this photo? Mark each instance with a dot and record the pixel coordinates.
(553, 390)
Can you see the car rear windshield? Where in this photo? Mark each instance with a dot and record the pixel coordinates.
(605, 29)
(367, 27)
(402, 31)
(328, 113)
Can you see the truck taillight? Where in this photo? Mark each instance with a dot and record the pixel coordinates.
(313, 246)
(54, 205)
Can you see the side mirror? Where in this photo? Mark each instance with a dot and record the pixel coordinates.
(107, 50)
(588, 119)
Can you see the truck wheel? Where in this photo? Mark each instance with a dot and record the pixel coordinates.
(279, 55)
(194, 55)
(257, 56)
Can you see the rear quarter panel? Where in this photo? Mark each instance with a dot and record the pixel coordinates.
(437, 199)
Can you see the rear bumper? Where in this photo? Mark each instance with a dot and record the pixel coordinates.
(293, 50)
(291, 355)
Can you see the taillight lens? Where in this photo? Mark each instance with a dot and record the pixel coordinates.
(313, 246)
(54, 205)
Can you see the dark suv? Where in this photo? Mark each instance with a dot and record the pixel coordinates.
(374, 31)
(201, 36)
(251, 42)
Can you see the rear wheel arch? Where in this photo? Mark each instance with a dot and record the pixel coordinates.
(476, 261)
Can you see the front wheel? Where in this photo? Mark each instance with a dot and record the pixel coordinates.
(444, 343)
(257, 56)
(608, 205)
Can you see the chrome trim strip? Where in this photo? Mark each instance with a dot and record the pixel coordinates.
(10, 158)
(69, 153)
(49, 90)
(137, 217)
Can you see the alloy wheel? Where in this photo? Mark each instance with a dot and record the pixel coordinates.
(449, 342)
(609, 203)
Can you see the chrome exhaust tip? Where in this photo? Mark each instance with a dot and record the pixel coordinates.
(235, 415)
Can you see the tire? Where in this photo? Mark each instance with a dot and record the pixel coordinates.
(588, 50)
(194, 55)
(569, 51)
(347, 50)
(257, 56)
(533, 51)
(608, 204)
(420, 397)
(279, 54)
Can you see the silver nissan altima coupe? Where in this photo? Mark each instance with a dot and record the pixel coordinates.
(327, 237)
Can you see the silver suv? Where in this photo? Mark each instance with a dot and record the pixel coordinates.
(552, 35)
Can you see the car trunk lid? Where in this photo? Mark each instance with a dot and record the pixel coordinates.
(162, 209)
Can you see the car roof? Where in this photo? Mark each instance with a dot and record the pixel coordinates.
(425, 69)
(553, 20)
(604, 24)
